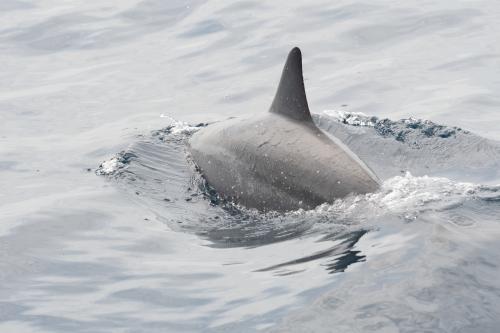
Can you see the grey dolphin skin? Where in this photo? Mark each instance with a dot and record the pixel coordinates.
(279, 160)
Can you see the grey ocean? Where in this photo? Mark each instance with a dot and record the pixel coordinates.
(105, 226)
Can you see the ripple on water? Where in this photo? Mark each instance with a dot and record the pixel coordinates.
(157, 172)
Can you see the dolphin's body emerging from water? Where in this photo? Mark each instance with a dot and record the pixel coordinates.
(279, 160)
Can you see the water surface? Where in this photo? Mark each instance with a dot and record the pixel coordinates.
(146, 248)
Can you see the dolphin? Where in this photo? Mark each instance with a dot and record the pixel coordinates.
(279, 160)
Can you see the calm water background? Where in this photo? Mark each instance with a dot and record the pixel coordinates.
(141, 250)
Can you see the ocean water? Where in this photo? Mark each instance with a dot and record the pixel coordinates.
(105, 226)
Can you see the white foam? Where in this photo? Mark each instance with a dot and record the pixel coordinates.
(110, 166)
(405, 195)
(409, 192)
(351, 118)
(180, 127)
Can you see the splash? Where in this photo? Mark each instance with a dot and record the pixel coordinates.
(422, 147)
(178, 127)
(177, 130)
(157, 172)
(352, 118)
(404, 130)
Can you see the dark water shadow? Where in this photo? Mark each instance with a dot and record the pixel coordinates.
(342, 256)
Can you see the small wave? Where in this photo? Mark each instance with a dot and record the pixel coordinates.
(402, 130)
(158, 172)
(410, 192)
(179, 127)
(115, 163)
(422, 147)
(352, 118)
(177, 130)
(408, 197)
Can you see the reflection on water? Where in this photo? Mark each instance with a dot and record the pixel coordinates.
(148, 247)
(342, 253)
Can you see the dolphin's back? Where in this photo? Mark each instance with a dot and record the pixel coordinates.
(273, 163)
(279, 160)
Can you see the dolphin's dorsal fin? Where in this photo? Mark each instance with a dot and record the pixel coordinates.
(290, 99)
